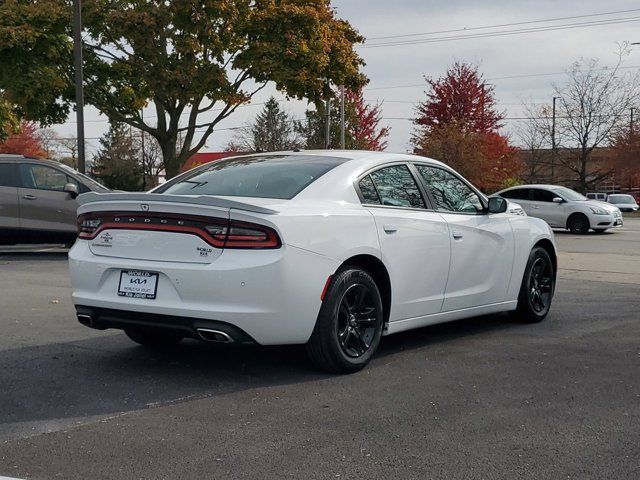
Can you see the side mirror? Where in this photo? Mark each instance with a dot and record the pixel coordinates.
(71, 189)
(557, 200)
(497, 205)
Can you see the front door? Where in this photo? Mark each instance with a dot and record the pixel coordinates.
(543, 206)
(44, 205)
(482, 244)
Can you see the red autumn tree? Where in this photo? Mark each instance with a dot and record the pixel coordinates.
(26, 141)
(364, 123)
(459, 124)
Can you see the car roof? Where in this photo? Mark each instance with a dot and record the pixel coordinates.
(364, 157)
(534, 185)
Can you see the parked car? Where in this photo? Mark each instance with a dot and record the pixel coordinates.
(38, 200)
(562, 207)
(624, 202)
(329, 249)
(597, 196)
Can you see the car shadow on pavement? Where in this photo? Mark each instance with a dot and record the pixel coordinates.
(61, 383)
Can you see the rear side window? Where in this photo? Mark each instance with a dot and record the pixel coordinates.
(369, 192)
(7, 177)
(272, 176)
(396, 187)
(517, 194)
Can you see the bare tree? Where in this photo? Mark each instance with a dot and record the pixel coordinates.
(50, 143)
(593, 105)
(68, 148)
(534, 136)
(150, 157)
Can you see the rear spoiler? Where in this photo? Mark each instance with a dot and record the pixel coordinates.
(209, 200)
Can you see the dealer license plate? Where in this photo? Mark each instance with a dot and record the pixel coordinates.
(138, 284)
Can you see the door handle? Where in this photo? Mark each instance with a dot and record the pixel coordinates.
(457, 235)
(390, 228)
(29, 197)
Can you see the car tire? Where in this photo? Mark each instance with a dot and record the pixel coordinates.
(349, 325)
(578, 224)
(154, 340)
(537, 288)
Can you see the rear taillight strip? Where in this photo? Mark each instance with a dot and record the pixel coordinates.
(217, 232)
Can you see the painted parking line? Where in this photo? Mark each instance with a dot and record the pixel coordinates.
(9, 478)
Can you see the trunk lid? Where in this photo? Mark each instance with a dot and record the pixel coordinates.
(156, 227)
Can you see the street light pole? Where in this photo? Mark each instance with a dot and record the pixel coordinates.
(343, 142)
(327, 118)
(553, 140)
(77, 54)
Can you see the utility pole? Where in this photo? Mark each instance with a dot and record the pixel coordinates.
(144, 173)
(77, 54)
(343, 143)
(327, 119)
(553, 140)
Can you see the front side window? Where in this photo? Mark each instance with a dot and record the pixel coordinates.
(450, 194)
(258, 176)
(396, 187)
(42, 177)
(540, 195)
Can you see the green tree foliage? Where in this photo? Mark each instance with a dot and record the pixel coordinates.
(117, 163)
(271, 131)
(194, 61)
(362, 125)
(36, 55)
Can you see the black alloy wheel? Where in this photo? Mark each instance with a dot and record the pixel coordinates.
(349, 325)
(538, 287)
(578, 224)
(356, 320)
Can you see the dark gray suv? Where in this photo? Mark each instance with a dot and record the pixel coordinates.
(38, 200)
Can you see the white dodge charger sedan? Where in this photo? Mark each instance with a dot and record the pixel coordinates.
(330, 249)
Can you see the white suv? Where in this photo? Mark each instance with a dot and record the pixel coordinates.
(562, 207)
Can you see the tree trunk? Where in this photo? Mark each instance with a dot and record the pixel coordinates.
(170, 158)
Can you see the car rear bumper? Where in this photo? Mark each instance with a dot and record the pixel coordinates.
(267, 296)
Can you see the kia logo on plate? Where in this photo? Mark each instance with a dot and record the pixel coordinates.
(144, 207)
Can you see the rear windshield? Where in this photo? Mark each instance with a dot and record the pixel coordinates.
(259, 176)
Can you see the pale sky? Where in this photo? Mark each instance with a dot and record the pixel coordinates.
(533, 60)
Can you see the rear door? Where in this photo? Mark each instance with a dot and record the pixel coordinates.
(482, 244)
(44, 205)
(521, 196)
(9, 207)
(414, 241)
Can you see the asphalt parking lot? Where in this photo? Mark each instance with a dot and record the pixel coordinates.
(481, 398)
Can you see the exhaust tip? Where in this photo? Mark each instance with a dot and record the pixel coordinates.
(85, 319)
(215, 336)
